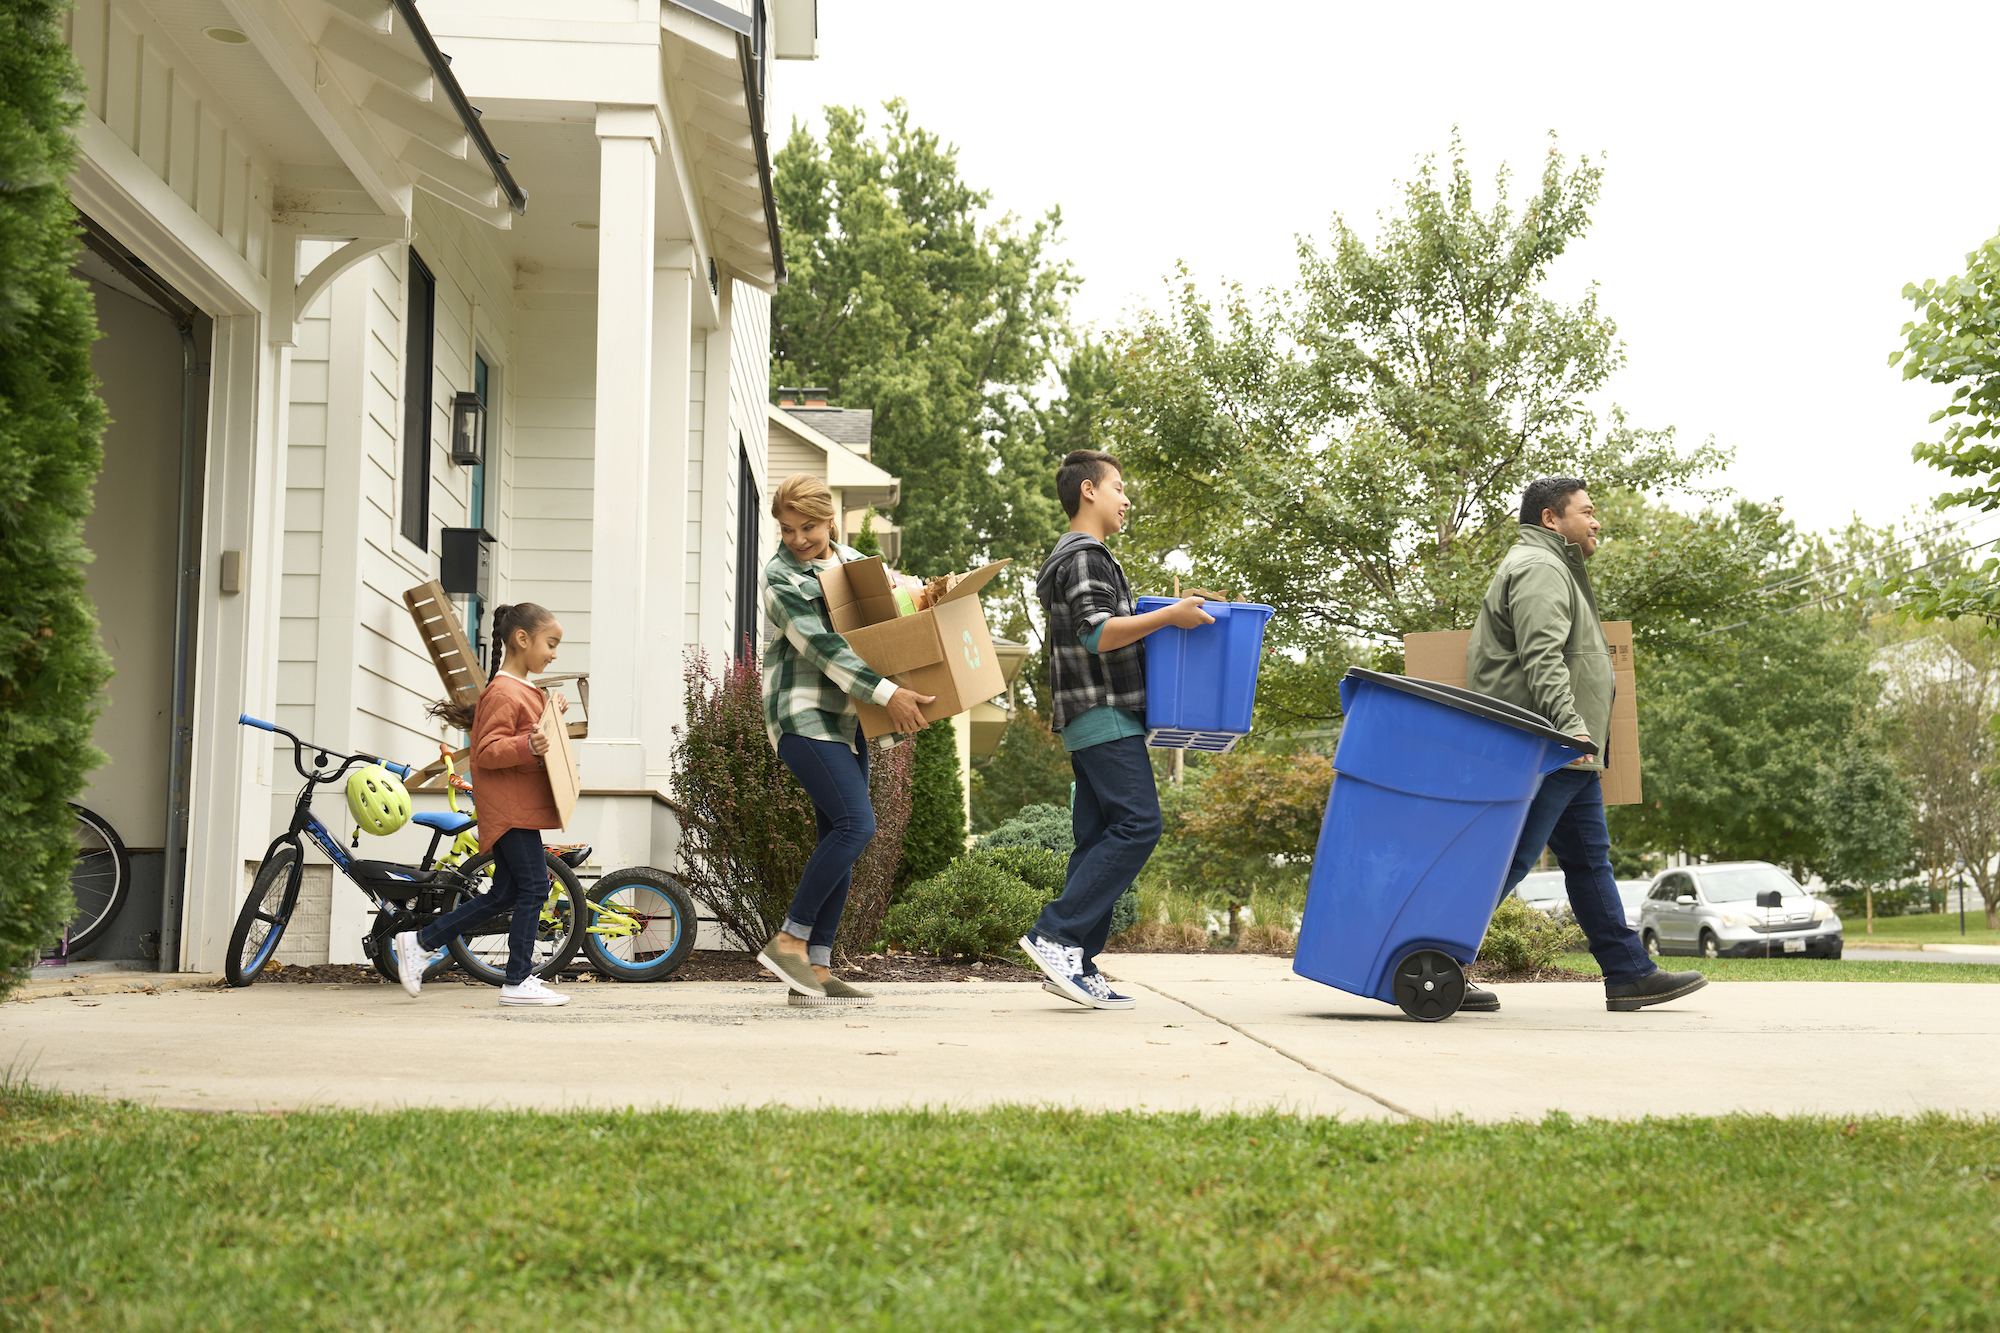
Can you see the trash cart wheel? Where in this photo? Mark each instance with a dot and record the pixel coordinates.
(1429, 985)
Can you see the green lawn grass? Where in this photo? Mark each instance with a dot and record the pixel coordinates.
(1812, 969)
(113, 1216)
(1929, 928)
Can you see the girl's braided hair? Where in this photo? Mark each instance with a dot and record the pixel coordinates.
(523, 617)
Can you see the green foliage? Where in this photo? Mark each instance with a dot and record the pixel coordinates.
(974, 907)
(51, 664)
(1522, 939)
(904, 299)
(1865, 815)
(1943, 697)
(1352, 451)
(1028, 767)
(936, 835)
(865, 541)
(1036, 826)
(1040, 868)
(1955, 343)
(747, 826)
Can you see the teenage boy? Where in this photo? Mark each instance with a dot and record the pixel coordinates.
(1537, 643)
(1097, 670)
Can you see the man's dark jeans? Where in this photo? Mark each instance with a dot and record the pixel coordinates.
(1116, 819)
(518, 862)
(1567, 817)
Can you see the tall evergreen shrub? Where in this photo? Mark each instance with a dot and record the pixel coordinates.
(51, 665)
(936, 836)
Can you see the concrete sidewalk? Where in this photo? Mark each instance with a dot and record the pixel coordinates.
(1212, 1033)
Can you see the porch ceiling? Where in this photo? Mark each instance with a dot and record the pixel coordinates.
(713, 83)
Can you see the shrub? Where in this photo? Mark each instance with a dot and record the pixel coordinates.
(1522, 939)
(936, 835)
(974, 907)
(51, 664)
(1039, 868)
(1034, 826)
(747, 826)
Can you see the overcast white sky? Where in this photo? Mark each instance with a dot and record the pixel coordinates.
(1776, 173)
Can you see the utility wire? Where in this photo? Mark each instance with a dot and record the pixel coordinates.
(1818, 601)
(1817, 575)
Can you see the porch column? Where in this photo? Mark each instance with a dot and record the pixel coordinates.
(628, 138)
(666, 508)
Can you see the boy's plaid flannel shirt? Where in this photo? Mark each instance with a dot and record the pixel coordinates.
(811, 676)
(1081, 586)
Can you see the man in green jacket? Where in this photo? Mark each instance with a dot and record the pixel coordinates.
(1537, 643)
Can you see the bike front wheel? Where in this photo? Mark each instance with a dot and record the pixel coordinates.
(266, 913)
(642, 925)
(482, 949)
(99, 878)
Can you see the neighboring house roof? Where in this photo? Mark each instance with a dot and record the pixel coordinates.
(851, 426)
(861, 482)
(1929, 659)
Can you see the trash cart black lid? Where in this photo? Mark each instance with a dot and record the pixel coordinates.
(1470, 701)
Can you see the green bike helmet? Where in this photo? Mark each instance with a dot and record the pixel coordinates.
(380, 803)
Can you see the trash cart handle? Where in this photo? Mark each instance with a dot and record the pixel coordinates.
(1480, 705)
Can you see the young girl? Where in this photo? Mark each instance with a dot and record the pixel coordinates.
(510, 786)
(811, 680)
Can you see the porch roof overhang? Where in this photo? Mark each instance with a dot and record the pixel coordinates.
(713, 67)
(860, 481)
(372, 81)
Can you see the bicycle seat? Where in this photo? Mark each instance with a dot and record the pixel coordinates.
(444, 821)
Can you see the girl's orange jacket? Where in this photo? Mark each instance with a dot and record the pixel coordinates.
(510, 783)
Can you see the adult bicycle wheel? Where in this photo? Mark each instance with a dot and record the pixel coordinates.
(266, 913)
(482, 950)
(99, 878)
(641, 926)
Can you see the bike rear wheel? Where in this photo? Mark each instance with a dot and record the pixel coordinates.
(482, 950)
(266, 913)
(100, 878)
(642, 927)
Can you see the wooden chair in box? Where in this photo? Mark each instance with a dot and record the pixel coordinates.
(458, 667)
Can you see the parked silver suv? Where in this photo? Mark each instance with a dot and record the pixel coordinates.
(1713, 911)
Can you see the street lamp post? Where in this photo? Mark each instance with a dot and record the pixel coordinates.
(1961, 895)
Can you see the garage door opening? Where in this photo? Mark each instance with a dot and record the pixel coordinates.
(152, 364)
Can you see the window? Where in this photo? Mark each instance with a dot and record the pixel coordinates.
(419, 338)
(747, 502)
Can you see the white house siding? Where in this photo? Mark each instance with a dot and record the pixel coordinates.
(697, 375)
(144, 92)
(749, 397)
(553, 398)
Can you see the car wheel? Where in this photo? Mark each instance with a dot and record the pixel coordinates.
(1834, 952)
(1710, 946)
(1652, 943)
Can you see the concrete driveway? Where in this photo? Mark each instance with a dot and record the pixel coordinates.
(1211, 1033)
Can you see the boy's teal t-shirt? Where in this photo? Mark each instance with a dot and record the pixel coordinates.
(1104, 723)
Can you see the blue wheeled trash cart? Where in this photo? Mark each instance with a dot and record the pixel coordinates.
(1431, 788)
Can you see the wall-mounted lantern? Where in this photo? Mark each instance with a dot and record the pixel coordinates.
(468, 430)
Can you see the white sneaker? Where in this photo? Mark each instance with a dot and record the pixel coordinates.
(531, 992)
(411, 962)
(1101, 994)
(1063, 967)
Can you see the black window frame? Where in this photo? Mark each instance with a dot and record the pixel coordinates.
(419, 356)
(747, 531)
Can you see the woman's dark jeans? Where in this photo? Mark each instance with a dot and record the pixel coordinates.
(836, 778)
(518, 862)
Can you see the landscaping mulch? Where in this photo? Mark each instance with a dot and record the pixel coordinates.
(1484, 972)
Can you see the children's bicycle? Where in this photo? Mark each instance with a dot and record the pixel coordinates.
(406, 897)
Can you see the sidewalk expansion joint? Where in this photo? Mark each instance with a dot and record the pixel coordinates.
(1299, 1060)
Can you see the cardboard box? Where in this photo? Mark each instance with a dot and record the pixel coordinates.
(560, 760)
(1441, 657)
(946, 651)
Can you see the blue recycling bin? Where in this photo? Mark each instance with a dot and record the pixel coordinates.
(1431, 788)
(1201, 683)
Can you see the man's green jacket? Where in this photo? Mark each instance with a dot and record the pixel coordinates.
(1538, 643)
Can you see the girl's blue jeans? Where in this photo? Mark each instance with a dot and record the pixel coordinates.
(518, 862)
(836, 778)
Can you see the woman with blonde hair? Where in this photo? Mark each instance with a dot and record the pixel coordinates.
(811, 681)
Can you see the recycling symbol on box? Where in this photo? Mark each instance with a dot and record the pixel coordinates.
(971, 650)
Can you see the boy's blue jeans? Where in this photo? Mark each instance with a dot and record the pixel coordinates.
(1567, 817)
(1116, 819)
(836, 778)
(518, 862)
